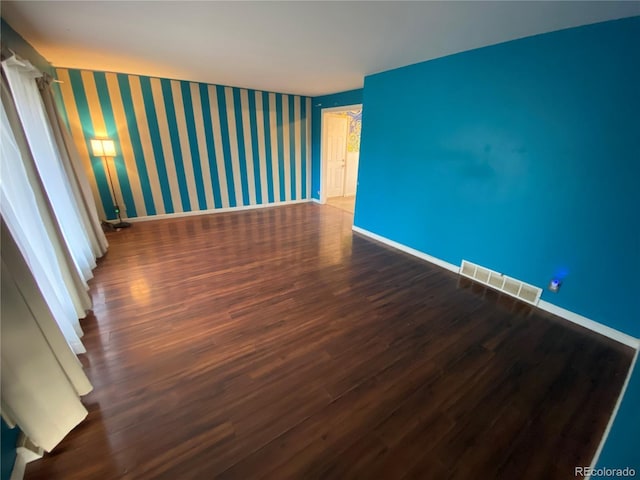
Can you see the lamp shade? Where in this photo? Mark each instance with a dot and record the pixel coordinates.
(103, 147)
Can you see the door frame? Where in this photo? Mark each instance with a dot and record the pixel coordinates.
(323, 163)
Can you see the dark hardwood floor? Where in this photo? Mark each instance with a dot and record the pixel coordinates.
(276, 344)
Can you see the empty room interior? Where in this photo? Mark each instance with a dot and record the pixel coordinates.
(297, 240)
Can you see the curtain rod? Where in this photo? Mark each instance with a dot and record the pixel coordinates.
(49, 78)
(45, 76)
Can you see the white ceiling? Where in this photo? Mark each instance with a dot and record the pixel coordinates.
(308, 48)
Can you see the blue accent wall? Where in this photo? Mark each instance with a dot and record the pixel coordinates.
(341, 99)
(622, 449)
(523, 157)
(8, 439)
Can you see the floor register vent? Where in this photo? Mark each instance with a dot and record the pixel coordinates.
(510, 286)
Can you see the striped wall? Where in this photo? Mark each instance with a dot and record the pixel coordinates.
(185, 146)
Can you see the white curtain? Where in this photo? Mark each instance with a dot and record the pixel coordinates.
(50, 240)
(24, 221)
(75, 172)
(21, 77)
(41, 378)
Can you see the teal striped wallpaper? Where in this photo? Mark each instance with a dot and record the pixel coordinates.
(185, 146)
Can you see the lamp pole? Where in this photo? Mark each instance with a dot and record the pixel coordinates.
(105, 148)
(120, 223)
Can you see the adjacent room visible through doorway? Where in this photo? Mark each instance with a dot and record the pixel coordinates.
(340, 154)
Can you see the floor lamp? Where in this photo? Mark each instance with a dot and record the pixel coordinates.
(105, 148)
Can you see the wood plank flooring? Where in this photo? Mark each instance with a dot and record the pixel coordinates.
(276, 344)
(348, 204)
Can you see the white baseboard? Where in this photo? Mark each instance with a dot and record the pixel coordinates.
(612, 419)
(214, 210)
(409, 250)
(597, 327)
(316, 200)
(549, 307)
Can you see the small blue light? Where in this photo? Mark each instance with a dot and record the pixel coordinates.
(554, 284)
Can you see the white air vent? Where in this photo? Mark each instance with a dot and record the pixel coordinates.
(510, 286)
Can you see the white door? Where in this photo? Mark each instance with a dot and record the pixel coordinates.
(336, 154)
(351, 175)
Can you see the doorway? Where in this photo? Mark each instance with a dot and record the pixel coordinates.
(340, 154)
